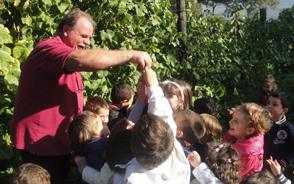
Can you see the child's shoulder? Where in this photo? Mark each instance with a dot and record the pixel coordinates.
(287, 126)
(97, 145)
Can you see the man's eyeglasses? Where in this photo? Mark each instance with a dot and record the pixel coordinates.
(82, 35)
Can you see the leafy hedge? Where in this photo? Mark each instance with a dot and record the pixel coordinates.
(225, 60)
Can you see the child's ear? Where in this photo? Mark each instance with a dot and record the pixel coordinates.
(179, 134)
(250, 131)
(285, 110)
(123, 103)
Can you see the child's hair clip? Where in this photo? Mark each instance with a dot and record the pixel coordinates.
(219, 147)
(229, 160)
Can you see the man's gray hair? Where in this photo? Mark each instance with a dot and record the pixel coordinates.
(71, 19)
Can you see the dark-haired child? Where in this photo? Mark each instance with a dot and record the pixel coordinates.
(122, 95)
(205, 105)
(159, 158)
(278, 141)
(190, 127)
(221, 165)
(30, 174)
(213, 131)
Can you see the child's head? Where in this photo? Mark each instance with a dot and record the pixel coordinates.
(190, 126)
(262, 177)
(122, 95)
(118, 150)
(278, 104)
(84, 129)
(205, 105)
(98, 105)
(152, 141)
(179, 95)
(269, 84)
(213, 129)
(223, 160)
(121, 124)
(30, 174)
(249, 119)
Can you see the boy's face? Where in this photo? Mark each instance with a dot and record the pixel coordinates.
(104, 115)
(274, 106)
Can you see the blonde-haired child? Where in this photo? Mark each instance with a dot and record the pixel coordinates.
(31, 174)
(221, 165)
(213, 128)
(247, 127)
(87, 138)
(268, 86)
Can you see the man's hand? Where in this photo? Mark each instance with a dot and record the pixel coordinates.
(141, 58)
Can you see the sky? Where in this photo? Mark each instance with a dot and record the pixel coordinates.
(270, 13)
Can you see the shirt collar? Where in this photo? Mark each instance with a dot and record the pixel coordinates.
(281, 120)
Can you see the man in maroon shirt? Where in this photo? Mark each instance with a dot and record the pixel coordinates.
(50, 91)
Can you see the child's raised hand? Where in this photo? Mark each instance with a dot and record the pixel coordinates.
(79, 160)
(194, 159)
(275, 166)
(141, 91)
(150, 77)
(231, 111)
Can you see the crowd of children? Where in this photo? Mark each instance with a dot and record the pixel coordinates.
(163, 138)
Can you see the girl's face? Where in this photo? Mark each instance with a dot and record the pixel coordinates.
(238, 126)
(267, 87)
(104, 115)
(174, 101)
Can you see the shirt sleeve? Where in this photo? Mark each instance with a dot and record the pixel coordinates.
(93, 176)
(159, 105)
(204, 175)
(283, 179)
(137, 111)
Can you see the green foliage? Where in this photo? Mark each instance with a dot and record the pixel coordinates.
(287, 14)
(251, 6)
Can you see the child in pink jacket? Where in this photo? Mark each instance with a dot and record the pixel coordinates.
(250, 121)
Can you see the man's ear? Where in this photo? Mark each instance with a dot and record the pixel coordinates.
(179, 134)
(285, 110)
(65, 30)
